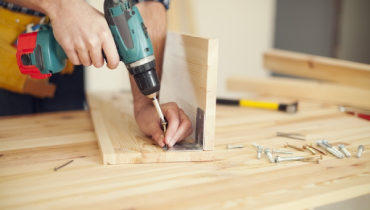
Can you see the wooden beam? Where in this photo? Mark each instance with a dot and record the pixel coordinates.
(190, 77)
(317, 67)
(302, 89)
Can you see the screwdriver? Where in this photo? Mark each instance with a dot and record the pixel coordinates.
(160, 114)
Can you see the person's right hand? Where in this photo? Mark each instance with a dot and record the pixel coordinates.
(83, 32)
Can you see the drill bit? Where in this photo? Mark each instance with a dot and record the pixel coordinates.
(160, 114)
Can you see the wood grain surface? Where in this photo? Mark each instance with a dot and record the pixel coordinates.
(189, 79)
(235, 180)
(120, 139)
(318, 67)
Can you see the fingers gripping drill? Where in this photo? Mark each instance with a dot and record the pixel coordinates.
(40, 55)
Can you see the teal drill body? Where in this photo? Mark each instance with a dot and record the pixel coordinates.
(48, 56)
(129, 32)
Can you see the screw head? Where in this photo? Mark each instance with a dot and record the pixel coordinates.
(324, 141)
(267, 150)
(341, 146)
(286, 145)
(361, 147)
(277, 159)
(260, 148)
(319, 142)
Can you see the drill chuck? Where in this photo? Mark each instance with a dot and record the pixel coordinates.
(145, 76)
(147, 82)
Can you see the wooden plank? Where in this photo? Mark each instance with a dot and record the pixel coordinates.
(29, 181)
(190, 77)
(105, 144)
(61, 129)
(303, 89)
(120, 139)
(317, 67)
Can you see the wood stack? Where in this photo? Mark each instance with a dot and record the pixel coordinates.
(336, 81)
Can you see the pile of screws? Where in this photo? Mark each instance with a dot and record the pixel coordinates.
(307, 147)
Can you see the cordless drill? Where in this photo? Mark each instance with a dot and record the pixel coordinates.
(40, 55)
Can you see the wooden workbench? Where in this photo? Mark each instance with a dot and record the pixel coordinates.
(31, 146)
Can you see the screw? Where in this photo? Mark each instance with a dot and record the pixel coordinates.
(345, 151)
(255, 145)
(312, 160)
(291, 135)
(268, 153)
(56, 168)
(281, 151)
(309, 149)
(360, 149)
(320, 143)
(292, 146)
(317, 149)
(279, 159)
(259, 151)
(324, 141)
(229, 146)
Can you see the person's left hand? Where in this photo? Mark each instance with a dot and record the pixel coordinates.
(178, 124)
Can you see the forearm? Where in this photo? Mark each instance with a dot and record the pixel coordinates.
(154, 16)
(45, 6)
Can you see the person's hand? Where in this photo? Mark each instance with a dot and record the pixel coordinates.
(178, 124)
(83, 32)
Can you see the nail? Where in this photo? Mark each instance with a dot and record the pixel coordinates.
(56, 168)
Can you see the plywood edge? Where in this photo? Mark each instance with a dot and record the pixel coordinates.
(212, 61)
(164, 157)
(317, 67)
(105, 144)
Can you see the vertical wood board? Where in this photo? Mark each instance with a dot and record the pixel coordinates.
(189, 79)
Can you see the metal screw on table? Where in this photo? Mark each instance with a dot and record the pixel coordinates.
(268, 153)
(255, 145)
(259, 151)
(324, 141)
(360, 149)
(317, 149)
(333, 152)
(292, 146)
(309, 149)
(56, 168)
(229, 146)
(281, 151)
(313, 158)
(345, 151)
(279, 159)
